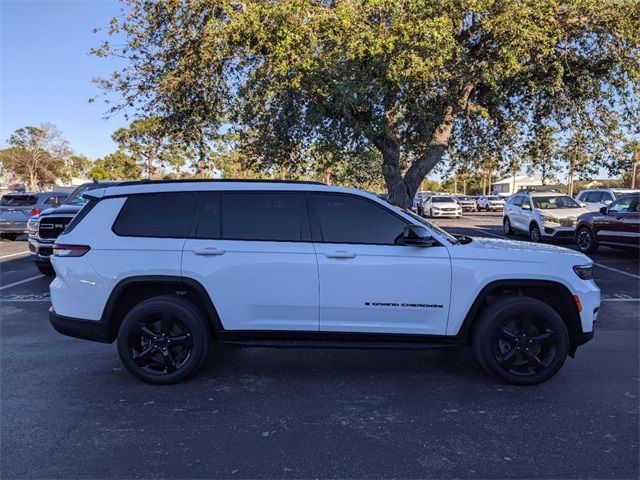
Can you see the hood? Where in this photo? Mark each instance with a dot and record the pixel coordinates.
(518, 251)
(63, 210)
(562, 213)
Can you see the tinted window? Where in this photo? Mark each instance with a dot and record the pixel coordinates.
(607, 196)
(347, 219)
(518, 201)
(209, 219)
(274, 216)
(166, 215)
(594, 197)
(621, 205)
(18, 201)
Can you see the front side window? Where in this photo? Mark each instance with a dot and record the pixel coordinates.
(594, 197)
(518, 201)
(621, 205)
(349, 219)
(160, 215)
(266, 216)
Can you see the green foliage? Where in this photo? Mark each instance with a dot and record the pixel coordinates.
(37, 156)
(116, 166)
(389, 79)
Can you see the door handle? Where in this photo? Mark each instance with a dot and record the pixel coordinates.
(208, 251)
(340, 254)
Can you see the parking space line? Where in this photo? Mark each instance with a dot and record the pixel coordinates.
(621, 272)
(13, 254)
(15, 284)
(620, 300)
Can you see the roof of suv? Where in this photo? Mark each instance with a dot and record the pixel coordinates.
(128, 188)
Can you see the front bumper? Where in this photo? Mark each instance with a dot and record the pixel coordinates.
(94, 330)
(555, 231)
(437, 213)
(40, 251)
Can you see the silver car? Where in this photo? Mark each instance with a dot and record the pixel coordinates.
(17, 208)
(594, 199)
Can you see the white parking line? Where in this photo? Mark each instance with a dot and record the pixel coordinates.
(620, 300)
(15, 284)
(621, 272)
(13, 254)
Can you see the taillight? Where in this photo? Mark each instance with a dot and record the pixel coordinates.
(35, 211)
(70, 250)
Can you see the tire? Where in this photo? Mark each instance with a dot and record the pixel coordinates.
(534, 233)
(148, 331)
(585, 240)
(430, 213)
(10, 236)
(506, 224)
(46, 270)
(520, 340)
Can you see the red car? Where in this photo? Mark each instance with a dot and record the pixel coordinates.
(617, 225)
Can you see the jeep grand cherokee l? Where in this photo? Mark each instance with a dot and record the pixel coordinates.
(165, 268)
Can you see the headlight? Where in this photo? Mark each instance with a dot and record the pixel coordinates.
(585, 272)
(548, 219)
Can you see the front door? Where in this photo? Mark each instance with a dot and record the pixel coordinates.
(371, 282)
(623, 222)
(254, 256)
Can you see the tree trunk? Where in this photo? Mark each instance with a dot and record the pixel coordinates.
(398, 193)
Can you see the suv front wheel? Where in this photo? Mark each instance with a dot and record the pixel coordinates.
(534, 233)
(521, 340)
(506, 224)
(163, 340)
(586, 241)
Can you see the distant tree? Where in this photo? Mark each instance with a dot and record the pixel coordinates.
(116, 166)
(542, 152)
(36, 156)
(151, 147)
(78, 166)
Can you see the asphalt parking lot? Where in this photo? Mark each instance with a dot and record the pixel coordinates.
(69, 410)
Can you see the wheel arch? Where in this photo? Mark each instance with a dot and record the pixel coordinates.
(554, 294)
(132, 290)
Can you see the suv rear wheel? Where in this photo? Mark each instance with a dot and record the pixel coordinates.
(506, 224)
(163, 340)
(521, 340)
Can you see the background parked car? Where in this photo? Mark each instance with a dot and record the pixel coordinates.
(17, 208)
(442, 206)
(617, 225)
(596, 198)
(492, 202)
(543, 215)
(466, 202)
(45, 227)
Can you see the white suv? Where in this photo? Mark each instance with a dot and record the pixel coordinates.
(542, 215)
(168, 267)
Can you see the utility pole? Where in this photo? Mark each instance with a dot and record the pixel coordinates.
(635, 158)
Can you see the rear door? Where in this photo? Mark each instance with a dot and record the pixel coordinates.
(369, 281)
(253, 254)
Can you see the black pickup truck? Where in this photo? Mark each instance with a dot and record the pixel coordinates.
(45, 227)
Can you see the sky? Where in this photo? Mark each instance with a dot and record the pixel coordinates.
(46, 71)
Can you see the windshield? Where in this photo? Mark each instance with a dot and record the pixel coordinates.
(493, 199)
(76, 197)
(442, 200)
(464, 198)
(553, 203)
(450, 238)
(18, 200)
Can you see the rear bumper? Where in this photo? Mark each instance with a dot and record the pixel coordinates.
(17, 227)
(94, 330)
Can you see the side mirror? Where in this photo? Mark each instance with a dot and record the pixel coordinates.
(583, 205)
(417, 236)
(526, 206)
(607, 202)
(603, 210)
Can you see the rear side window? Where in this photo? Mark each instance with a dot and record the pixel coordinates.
(518, 200)
(162, 215)
(266, 216)
(18, 201)
(348, 219)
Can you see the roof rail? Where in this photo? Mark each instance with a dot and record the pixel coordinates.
(216, 180)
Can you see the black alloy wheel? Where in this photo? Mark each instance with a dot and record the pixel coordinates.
(521, 340)
(163, 340)
(586, 241)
